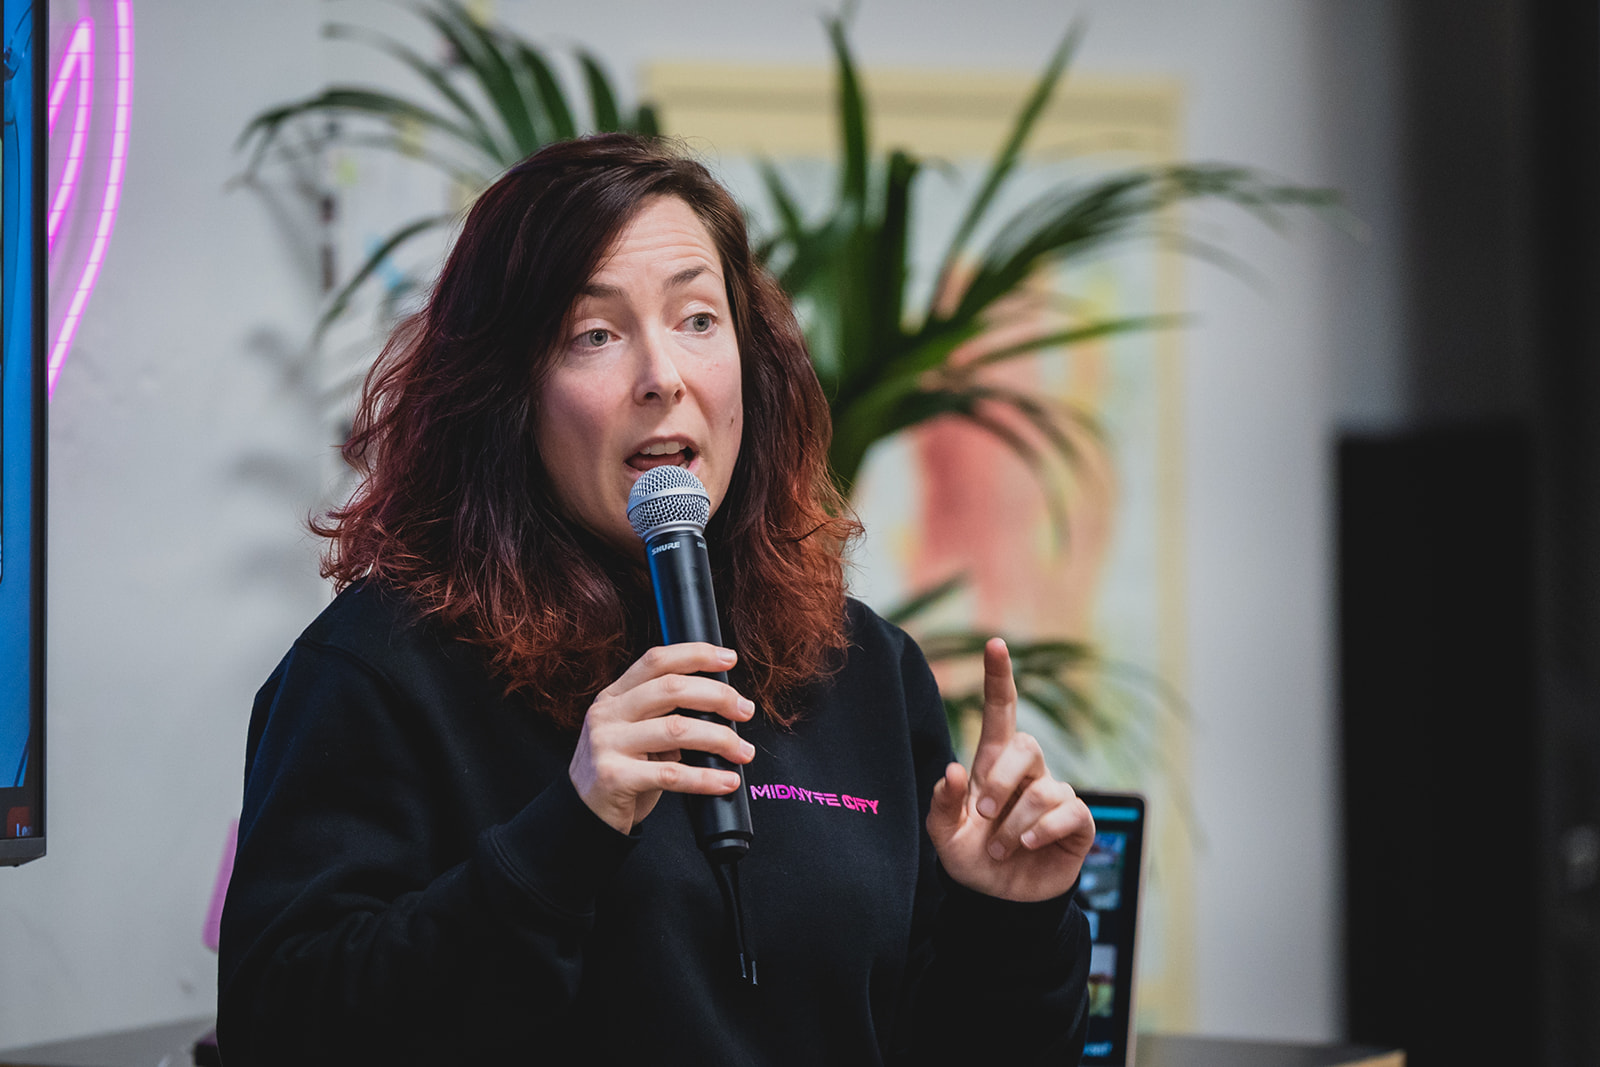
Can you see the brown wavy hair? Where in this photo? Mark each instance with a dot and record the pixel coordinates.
(456, 510)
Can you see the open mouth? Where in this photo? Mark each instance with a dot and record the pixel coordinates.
(672, 454)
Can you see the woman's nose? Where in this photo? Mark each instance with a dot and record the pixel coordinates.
(658, 372)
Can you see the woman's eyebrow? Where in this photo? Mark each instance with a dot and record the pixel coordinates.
(602, 291)
(685, 276)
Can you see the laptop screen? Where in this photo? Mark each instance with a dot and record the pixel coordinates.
(1108, 893)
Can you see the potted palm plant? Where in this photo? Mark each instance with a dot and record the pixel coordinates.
(887, 365)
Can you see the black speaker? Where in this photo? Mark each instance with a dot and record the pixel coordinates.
(1440, 711)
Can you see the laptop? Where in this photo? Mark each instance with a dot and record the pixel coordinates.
(1108, 892)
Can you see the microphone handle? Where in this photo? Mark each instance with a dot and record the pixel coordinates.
(680, 572)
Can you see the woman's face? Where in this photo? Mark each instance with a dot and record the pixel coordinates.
(647, 373)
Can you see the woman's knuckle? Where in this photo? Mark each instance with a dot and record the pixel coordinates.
(606, 773)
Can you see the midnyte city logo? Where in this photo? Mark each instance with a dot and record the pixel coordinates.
(813, 796)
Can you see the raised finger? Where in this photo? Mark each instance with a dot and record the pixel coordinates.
(999, 697)
(689, 657)
(1021, 761)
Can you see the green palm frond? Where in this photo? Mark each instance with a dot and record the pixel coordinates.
(436, 76)
(908, 611)
(1109, 712)
(1078, 222)
(849, 268)
(495, 100)
(369, 266)
(888, 366)
(342, 100)
(1005, 162)
(1059, 678)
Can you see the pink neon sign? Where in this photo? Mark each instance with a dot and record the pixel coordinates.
(77, 72)
(75, 77)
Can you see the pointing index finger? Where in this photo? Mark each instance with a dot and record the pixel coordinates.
(999, 696)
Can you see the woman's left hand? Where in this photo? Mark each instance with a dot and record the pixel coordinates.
(1008, 829)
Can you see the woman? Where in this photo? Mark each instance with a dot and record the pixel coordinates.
(464, 835)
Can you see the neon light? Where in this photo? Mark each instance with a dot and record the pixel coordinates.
(79, 60)
(82, 42)
(113, 193)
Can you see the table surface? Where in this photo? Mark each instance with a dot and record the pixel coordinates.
(169, 1045)
(1171, 1050)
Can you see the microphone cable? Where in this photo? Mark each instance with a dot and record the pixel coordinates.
(726, 869)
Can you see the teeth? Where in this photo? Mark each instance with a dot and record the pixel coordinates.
(664, 448)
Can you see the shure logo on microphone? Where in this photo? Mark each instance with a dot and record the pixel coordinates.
(663, 548)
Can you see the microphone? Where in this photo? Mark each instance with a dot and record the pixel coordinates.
(668, 508)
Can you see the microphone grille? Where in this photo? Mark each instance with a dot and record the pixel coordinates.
(667, 496)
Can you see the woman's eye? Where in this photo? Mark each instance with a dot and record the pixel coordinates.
(596, 338)
(700, 323)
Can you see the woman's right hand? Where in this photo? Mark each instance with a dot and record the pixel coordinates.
(631, 743)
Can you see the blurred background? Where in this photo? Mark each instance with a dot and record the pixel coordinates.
(1379, 519)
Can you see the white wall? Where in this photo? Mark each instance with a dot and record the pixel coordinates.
(186, 453)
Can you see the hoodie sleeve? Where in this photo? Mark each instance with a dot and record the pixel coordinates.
(989, 980)
(358, 928)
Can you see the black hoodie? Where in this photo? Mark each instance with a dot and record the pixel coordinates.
(418, 882)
